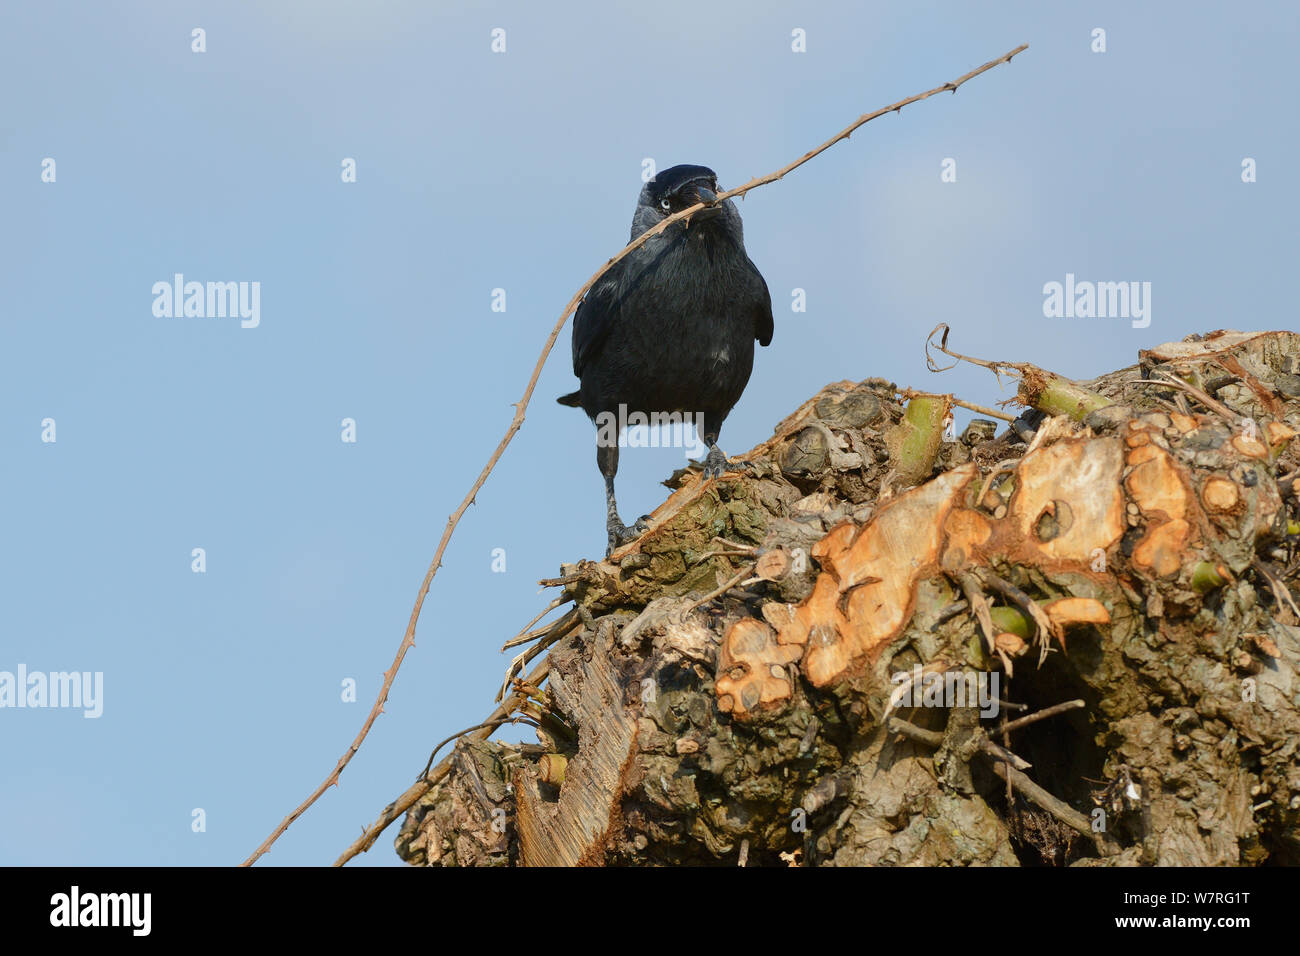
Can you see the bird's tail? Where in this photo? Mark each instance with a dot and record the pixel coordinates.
(572, 400)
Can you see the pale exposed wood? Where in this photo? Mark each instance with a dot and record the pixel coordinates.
(1220, 494)
(572, 830)
(751, 668)
(1215, 342)
(1075, 611)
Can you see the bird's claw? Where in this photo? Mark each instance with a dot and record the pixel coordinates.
(716, 465)
(620, 534)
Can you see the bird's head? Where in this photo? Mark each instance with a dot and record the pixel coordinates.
(673, 190)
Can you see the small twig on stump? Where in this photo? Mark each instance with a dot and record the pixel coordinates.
(560, 581)
(718, 592)
(910, 393)
(486, 725)
(1071, 817)
(1046, 391)
(738, 545)
(1007, 467)
(1031, 607)
(522, 636)
(1169, 380)
(1038, 715)
(1280, 590)
(980, 606)
(526, 657)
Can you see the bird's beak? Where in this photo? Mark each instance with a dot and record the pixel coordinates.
(706, 195)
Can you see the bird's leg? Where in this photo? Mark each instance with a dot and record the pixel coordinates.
(617, 531)
(619, 534)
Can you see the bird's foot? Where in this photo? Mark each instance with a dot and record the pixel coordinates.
(716, 464)
(620, 534)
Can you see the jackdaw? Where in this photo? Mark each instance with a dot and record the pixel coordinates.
(670, 328)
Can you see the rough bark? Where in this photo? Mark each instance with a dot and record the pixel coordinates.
(1133, 554)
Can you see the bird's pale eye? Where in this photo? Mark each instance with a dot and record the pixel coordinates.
(665, 205)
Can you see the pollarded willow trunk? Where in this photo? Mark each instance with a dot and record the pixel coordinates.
(842, 657)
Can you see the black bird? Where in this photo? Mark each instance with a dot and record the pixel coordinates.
(670, 327)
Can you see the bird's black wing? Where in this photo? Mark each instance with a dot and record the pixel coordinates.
(763, 324)
(593, 320)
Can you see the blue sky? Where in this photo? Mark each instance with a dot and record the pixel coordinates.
(518, 171)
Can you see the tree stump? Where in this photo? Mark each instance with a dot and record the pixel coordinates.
(773, 674)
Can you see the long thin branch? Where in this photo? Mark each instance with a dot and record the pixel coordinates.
(408, 639)
(865, 118)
